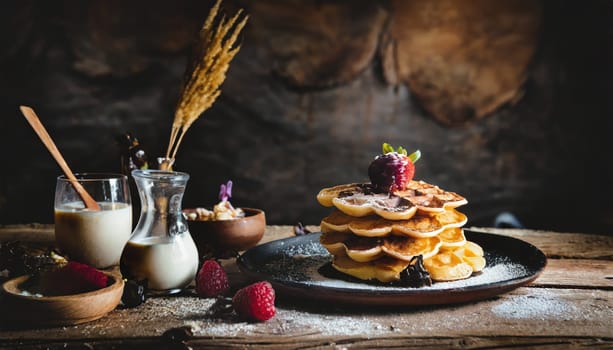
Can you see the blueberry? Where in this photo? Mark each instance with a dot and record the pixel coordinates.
(133, 293)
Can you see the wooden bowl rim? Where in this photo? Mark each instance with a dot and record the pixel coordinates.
(11, 286)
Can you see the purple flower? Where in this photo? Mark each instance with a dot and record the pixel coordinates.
(225, 191)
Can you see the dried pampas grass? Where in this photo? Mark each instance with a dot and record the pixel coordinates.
(205, 72)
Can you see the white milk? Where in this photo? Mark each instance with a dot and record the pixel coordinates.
(96, 238)
(167, 263)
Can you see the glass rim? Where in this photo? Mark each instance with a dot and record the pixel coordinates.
(94, 176)
(160, 174)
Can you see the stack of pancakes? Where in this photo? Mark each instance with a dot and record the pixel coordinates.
(374, 236)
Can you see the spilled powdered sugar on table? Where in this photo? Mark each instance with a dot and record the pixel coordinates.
(538, 303)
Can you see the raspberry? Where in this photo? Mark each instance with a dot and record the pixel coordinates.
(255, 302)
(392, 170)
(89, 276)
(211, 279)
(72, 278)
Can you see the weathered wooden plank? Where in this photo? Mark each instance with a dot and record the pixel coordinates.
(564, 245)
(526, 312)
(27, 233)
(281, 342)
(577, 273)
(408, 342)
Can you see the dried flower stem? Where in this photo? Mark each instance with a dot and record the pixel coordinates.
(205, 72)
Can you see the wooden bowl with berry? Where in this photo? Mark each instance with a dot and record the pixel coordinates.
(225, 229)
(73, 294)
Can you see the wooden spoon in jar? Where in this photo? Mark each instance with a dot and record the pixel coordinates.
(40, 130)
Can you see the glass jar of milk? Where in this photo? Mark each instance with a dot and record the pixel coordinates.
(161, 249)
(93, 237)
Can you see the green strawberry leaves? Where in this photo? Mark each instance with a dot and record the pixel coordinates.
(415, 156)
(387, 148)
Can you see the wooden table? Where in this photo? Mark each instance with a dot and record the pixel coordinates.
(569, 306)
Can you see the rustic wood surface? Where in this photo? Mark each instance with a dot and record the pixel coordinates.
(569, 306)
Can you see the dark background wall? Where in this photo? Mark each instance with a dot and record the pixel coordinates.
(282, 129)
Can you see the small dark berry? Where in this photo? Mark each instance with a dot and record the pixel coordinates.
(133, 293)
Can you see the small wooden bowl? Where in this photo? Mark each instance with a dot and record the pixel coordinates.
(62, 310)
(228, 235)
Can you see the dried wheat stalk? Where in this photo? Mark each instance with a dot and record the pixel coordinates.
(205, 73)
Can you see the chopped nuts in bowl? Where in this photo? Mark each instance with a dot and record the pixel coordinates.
(225, 228)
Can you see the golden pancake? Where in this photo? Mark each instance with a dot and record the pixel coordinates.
(452, 238)
(443, 265)
(364, 249)
(472, 254)
(337, 221)
(385, 269)
(334, 242)
(371, 226)
(405, 248)
(451, 218)
(326, 195)
(368, 226)
(391, 208)
(360, 249)
(474, 248)
(430, 198)
(419, 226)
(453, 263)
(476, 262)
(360, 200)
(447, 266)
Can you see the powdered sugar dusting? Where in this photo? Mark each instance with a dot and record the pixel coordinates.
(538, 304)
(331, 324)
(212, 328)
(292, 322)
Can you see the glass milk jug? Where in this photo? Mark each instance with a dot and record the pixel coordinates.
(161, 249)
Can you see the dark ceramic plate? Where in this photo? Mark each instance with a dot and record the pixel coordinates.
(300, 267)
